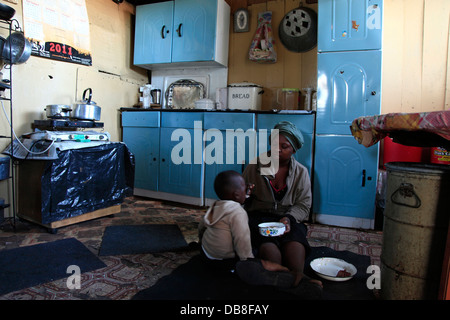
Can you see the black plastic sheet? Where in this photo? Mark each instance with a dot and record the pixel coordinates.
(85, 180)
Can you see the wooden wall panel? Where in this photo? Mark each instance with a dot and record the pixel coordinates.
(416, 56)
(292, 70)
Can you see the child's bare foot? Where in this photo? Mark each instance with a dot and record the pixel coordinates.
(273, 266)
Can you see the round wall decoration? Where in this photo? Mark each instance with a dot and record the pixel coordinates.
(298, 29)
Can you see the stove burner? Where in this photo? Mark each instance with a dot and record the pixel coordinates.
(66, 123)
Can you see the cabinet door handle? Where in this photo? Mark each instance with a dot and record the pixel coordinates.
(163, 30)
(179, 30)
(363, 178)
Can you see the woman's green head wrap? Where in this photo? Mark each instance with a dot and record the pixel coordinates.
(290, 131)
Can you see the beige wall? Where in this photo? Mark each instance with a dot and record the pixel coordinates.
(416, 64)
(41, 81)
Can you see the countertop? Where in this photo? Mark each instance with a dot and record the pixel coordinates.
(273, 111)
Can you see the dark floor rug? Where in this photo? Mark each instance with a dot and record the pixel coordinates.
(41, 263)
(195, 281)
(136, 239)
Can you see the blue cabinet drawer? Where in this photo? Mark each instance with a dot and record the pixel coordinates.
(223, 121)
(140, 119)
(181, 119)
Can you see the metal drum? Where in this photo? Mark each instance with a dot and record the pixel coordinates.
(415, 230)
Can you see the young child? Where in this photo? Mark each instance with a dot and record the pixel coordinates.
(225, 240)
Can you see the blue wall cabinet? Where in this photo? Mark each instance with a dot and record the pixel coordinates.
(153, 34)
(173, 33)
(349, 25)
(349, 86)
(345, 180)
(194, 25)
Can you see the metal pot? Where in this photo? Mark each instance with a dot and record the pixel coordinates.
(57, 111)
(6, 12)
(87, 109)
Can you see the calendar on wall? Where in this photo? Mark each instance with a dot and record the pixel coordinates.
(58, 29)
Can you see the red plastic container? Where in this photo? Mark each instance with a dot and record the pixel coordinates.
(395, 152)
(440, 156)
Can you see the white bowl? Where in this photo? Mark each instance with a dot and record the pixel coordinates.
(328, 268)
(271, 229)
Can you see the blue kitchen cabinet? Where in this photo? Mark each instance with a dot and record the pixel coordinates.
(349, 86)
(194, 25)
(345, 181)
(178, 178)
(153, 33)
(141, 135)
(223, 154)
(304, 122)
(181, 162)
(345, 25)
(181, 31)
(158, 174)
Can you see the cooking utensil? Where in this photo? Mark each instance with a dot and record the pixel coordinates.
(16, 49)
(6, 12)
(87, 109)
(56, 111)
(329, 268)
(183, 93)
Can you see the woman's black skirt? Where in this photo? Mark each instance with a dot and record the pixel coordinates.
(298, 232)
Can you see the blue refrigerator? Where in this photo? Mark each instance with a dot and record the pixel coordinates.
(348, 86)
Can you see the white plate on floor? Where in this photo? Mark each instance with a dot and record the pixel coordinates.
(328, 268)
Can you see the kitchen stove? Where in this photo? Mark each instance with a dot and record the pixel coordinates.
(82, 136)
(65, 123)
